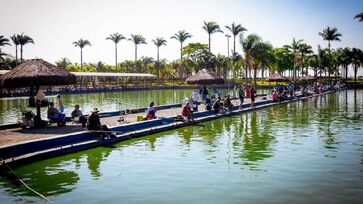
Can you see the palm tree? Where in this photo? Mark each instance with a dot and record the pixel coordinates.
(210, 28)
(63, 62)
(248, 45)
(3, 41)
(1, 55)
(260, 54)
(158, 42)
(304, 50)
(294, 48)
(359, 17)
(330, 34)
(345, 59)
(137, 39)
(23, 40)
(235, 30)
(181, 36)
(357, 59)
(116, 38)
(15, 39)
(81, 44)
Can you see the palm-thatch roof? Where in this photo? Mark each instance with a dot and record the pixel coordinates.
(277, 78)
(36, 72)
(307, 78)
(204, 77)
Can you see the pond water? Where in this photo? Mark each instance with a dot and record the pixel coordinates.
(309, 151)
(10, 111)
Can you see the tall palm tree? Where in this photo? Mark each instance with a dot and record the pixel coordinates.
(81, 44)
(3, 41)
(348, 59)
(357, 59)
(23, 40)
(15, 39)
(304, 50)
(294, 48)
(181, 36)
(116, 38)
(359, 17)
(248, 45)
(137, 39)
(158, 42)
(261, 56)
(210, 28)
(330, 34)
(235, 30)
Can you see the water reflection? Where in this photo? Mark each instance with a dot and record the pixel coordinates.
(248, 142)
(256, 140)
(94, 159)
(54, 177)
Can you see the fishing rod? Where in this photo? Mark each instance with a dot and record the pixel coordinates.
(23, 183)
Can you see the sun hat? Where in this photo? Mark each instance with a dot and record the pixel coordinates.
(95, 110)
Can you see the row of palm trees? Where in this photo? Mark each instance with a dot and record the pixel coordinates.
(181, 36)
(18, 40)
(257, 54)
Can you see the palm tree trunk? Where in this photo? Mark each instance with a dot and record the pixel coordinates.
(181, 60)
(115, 55)
(209, 42)
(81, 59)
(135, 52)
(346, 72)
(16, 55)
(157, 65)
(21, 53)
(234, 44)
(255, 75)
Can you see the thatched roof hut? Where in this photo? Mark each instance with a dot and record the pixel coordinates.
(204, 77)
(36, 72)
(277, 78)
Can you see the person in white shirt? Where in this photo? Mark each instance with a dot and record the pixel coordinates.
(195, 98)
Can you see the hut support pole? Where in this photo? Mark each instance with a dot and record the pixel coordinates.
(37, 118)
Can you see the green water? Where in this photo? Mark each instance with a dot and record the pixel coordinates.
(305, 152)
(10, 112)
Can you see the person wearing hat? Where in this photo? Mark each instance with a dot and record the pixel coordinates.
(94, 124)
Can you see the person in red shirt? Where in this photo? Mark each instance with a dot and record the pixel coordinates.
(187, 113)
(274, 96)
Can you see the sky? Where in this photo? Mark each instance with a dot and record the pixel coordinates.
(56, 24)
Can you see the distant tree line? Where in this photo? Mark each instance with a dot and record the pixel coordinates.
(259, 56)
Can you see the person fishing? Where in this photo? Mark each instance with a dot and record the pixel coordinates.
(151, 111)
(94, 124)
(228, 103)
(77, 116)
(187, 113)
